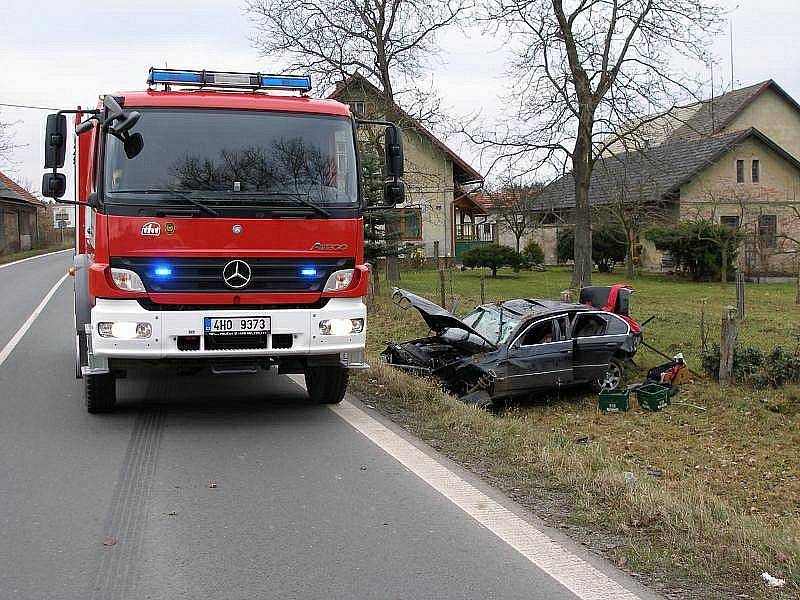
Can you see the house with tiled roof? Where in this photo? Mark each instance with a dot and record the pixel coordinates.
(439, 183)
(20, 215)
(734, 159)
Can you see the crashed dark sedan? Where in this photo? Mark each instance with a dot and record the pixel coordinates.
(517, 347)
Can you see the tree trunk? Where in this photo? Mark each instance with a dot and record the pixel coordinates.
(494, 272)
(582, 251)
(629, 259)
(516, 265)
(723, 276)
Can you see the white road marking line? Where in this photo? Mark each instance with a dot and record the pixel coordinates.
(574, 573)
(22, 260)
(12, 343)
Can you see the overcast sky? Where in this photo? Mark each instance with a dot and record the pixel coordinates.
(59, 54)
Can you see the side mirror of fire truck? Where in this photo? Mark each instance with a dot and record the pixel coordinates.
(394, 190)
(55, 141)
(54, 185)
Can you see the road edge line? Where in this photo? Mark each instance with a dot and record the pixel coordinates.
(574, 573)
(15, 339)
(22, 260)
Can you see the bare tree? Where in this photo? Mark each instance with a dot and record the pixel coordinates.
(6, 141)
(515, 209)
(583, 68)
(633, 202)
(383, 40)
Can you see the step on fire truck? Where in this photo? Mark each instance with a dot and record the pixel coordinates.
(218, 227)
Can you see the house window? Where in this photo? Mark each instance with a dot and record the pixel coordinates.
(411, 223)
(756, 171)
(739, 171)
(358, 108)
(767, 230)
(731, 221)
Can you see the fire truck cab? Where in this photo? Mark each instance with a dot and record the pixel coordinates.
(218, 227)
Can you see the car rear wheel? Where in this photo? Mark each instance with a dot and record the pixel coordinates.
(100, 392)
(613, 377)
(327, 385)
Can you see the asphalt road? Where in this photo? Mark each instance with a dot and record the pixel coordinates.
(215, 487)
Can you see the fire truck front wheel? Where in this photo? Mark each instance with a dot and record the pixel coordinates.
(100, 392)
(326, 384)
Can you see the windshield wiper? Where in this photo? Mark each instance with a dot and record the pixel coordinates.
(175, 195)
(302, 199)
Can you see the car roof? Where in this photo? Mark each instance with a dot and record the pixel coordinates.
(525, 308)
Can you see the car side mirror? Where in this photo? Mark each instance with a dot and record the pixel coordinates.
(54, 185)
(55, 141)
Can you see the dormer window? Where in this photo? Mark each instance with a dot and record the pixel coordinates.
(358, 108)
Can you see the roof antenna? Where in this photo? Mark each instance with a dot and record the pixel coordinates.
(730, 22)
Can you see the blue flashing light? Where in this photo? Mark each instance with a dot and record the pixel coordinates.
(170, 76)
(288, 82)
(308, 272)
(218, 79)
(162, 271)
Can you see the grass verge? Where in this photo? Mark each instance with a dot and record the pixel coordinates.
(8, 258)
(713, 498)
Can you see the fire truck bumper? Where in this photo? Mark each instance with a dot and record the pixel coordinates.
(123, 329)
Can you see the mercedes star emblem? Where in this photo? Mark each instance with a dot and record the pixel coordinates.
(236, 274)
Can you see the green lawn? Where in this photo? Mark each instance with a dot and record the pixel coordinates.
(719, 468)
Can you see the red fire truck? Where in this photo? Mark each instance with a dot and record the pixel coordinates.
(218, 227)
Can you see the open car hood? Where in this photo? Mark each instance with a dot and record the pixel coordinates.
(437, 318)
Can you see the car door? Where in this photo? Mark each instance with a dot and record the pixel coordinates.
(539, 357)
(596, 340)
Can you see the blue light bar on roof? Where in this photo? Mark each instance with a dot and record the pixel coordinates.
(252, 81)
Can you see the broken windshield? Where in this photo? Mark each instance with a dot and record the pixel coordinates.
(238, 155)
(488, 324)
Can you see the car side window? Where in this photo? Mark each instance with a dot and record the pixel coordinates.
(539, 333)
(616, 326)
(588, 325)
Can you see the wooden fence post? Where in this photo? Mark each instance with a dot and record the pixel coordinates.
(392, 268)
(442, 297)
(740, 295)
(727, 344)
(483, 289)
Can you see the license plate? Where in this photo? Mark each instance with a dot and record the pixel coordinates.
(236, 325)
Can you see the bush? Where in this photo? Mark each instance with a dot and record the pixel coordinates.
(533, 254)
(698, 246)
(492, 256)
(608, 246)
(751, 365)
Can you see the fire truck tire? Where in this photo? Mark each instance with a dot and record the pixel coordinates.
(326, 385)
(100, 392)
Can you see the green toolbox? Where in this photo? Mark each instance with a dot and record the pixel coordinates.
(616, 401)
(653, 396)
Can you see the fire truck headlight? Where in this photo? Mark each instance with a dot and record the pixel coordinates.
(341, 326)
(124, 330)
(339, 280)
(127, 280)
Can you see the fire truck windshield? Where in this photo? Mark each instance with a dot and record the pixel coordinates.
(241, 156)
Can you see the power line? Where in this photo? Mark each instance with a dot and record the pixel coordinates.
(29, 106)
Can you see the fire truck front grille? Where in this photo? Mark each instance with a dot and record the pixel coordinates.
(275, 275)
